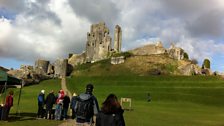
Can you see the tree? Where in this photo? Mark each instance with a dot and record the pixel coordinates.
(206, 64)
(186, 56)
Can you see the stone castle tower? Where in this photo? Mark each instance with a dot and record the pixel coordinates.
(117, 38)
(98, 46)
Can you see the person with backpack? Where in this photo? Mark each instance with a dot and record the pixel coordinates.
(86, 107)
(111, 113)
(50, 101)
(41, 101)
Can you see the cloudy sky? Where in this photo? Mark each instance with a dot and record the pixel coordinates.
(51, 29)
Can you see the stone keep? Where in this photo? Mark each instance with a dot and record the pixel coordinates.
(60, 67)
(98, 44)
(176, 52)
(41, 66)
(117, 38)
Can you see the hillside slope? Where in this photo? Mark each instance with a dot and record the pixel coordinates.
(134, 65)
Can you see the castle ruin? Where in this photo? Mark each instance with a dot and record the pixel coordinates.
(98, 46)
(155, 49)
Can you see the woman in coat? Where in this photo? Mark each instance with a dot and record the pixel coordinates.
(111, 113)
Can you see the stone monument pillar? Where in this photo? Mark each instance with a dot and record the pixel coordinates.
(117, 38)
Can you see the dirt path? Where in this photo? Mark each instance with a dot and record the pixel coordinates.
(69, 122)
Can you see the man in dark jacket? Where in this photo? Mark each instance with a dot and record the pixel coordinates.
(41, 101)
(83, 116)
(50, 101)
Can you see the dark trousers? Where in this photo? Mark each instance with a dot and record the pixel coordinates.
(65, 113)
(49, 112)
(73, 114)
(5, 113)
(40, 113)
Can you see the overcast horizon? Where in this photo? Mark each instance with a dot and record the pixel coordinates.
(50, 29)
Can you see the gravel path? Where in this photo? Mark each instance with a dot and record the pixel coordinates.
(69, 122)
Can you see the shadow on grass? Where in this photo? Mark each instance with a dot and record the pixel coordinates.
(21, 117)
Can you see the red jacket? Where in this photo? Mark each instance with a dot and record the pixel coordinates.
(9, 101)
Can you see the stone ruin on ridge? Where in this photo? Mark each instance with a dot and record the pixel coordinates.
(98, 45)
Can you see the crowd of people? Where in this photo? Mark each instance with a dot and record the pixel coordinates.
(61, 102)
(84, 107)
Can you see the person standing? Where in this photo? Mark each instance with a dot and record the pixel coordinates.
(111, 113)
(41, 101)
(8, 105)
(86, 107)
(72, 105)
(66, 102)
(59, 105)
(50, 101)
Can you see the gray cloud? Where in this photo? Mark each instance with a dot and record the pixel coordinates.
(208, 25)
(15, 6)
(99, 10)
(186, 8)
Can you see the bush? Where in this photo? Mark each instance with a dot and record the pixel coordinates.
(186, 56)
(206, 64)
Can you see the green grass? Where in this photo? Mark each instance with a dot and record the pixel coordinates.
(176, 100)
(28, 105)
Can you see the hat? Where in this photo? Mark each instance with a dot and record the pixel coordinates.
(42, 91)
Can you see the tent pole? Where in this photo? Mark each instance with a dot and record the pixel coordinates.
(5, 92)
(19, 98)
(4, 102)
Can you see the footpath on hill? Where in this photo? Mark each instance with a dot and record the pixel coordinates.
(68, 122)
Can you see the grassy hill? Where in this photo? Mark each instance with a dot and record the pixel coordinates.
(176, 100)
(28, 105)
(134, 65)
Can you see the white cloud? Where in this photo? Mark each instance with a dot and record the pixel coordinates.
(32, 36)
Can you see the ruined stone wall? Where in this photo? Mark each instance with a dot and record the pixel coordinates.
(117, 60)
(176, 53)
(117, 38)
(149, 50)
(98, 43)
(77, 59)
(50, 69)
(60, 67)
(26, 67)
(41, 66)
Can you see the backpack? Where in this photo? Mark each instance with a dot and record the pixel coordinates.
(84, 107)
(40, 99)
